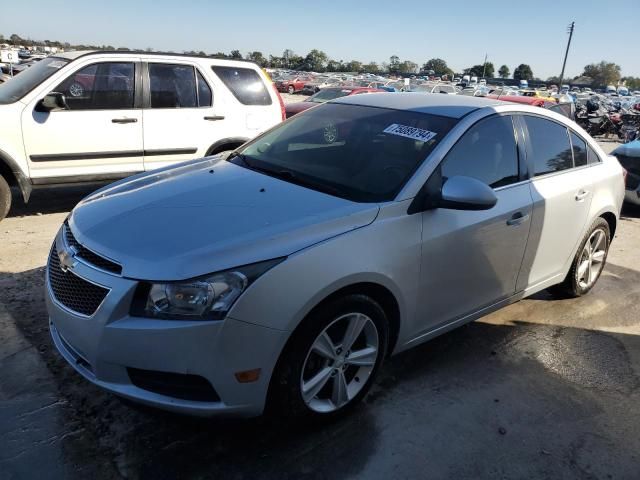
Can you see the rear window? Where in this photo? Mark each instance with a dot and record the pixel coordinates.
(245, 84)
(329, 94)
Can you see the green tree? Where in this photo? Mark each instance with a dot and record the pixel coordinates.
(276, 62)
(257, 57)
(354, 66)
(15, 39)
(287, 55)
(523, 72)
(504, 71)
(235, 54)
(438, 66)
(632, 83)
(371, 67)
(603, 73)
(394, 64)
(333, 66)
(316, 60)
(408, 67)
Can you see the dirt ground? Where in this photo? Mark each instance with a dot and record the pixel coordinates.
(541, 389)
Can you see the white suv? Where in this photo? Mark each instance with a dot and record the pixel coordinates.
(101, 116)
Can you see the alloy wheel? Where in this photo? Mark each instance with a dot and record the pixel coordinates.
(592, 258)
(339, 362)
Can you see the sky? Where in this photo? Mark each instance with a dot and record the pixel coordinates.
(460, 32)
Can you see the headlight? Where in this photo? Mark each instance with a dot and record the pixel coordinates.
(204, 298)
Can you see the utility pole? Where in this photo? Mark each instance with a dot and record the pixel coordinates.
(564, 64)
(484, 65)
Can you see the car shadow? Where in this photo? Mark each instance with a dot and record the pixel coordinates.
(56, 199)
(481, 401)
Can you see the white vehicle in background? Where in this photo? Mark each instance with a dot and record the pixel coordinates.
(623, 91)
(101, 116)
(523, 84)
(473, 81)
(611, 89)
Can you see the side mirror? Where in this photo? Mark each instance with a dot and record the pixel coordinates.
(53, 101)
(466, 193)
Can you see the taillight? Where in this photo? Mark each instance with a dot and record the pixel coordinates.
(282, 109)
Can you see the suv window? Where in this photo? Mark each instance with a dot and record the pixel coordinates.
(172, 86)
(487, 152)
(579, 147)
(29, 79)
(548, 146)
(204, 91)
(245, 84)
(100, 86)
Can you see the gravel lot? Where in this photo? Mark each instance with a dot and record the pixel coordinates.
(541, 389)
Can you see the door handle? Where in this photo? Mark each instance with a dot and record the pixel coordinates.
(517, 219)
(214, 118)
(124, 120)
(581, 195)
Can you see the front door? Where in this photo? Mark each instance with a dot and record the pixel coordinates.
(98, 137)
(471, 259)
(180, 121)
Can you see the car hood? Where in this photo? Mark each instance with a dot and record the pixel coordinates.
(206, 216)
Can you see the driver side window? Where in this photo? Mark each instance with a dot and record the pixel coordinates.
(100, 86)
(486, 152)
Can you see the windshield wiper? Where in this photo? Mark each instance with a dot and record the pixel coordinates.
(292, 177)
(242, 157)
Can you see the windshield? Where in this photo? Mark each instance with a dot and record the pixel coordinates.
(18, 87)
(363, 154)
(328, 94)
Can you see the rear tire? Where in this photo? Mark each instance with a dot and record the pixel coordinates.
(350, 365)
(291, 90)
(587, 264)
(5, 198)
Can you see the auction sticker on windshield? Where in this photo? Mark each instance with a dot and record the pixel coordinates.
(410, 132)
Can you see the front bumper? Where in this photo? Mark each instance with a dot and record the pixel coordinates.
(108, 345)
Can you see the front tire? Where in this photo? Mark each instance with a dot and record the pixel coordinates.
(5, 198)
(331, 360)
(587, 264)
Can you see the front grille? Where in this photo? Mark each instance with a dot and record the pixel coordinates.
(88, 256)
(73, 292)
(176, 385)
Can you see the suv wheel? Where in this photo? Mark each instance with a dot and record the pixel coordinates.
(588, 262)
(332, 359)
(5, 198)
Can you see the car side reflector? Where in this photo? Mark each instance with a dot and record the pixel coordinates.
(248, 376)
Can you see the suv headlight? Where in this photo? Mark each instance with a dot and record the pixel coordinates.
(204, 298)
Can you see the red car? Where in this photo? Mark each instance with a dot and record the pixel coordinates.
(325, 95)
(292, 85)
(535, 101)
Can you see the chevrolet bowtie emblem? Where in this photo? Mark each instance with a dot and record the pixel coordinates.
(66, 260)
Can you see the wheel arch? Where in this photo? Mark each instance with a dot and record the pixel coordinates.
(230, 143)
(14, 176)
(377, 292)
(611, 219)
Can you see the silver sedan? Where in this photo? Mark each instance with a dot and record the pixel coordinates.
(283, 274)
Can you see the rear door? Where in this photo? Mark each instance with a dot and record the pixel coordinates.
(99, 136)
(562, 190)
(181, 120)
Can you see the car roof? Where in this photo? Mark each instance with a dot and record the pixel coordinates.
(454, 106)
(73, 55)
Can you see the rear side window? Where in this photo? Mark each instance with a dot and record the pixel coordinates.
(548, 146)
(592, 156)
(245, 84)
(486, 152)
(172, 86)
(204, 91)
(579, 147)
(100, 86)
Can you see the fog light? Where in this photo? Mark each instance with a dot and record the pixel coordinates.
(248, 376)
